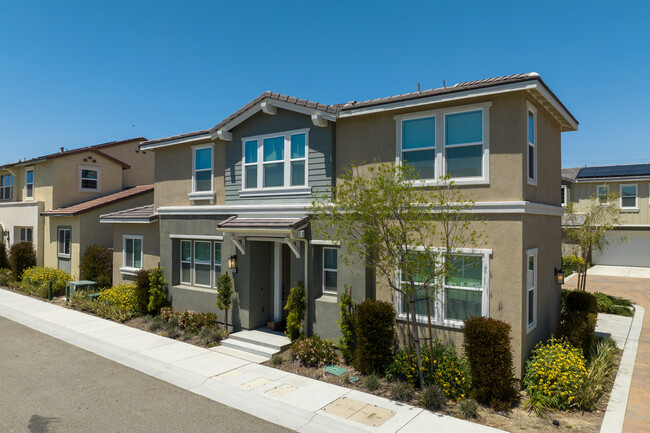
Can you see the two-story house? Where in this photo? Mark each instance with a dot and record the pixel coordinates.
(236, 196)
(53, 200)
(629, 245)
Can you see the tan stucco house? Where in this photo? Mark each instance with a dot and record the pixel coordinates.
(238, 193)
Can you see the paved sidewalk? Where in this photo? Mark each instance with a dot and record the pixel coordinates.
(618, 271)
(289, 400)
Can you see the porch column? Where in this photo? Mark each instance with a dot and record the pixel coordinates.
(277, 281)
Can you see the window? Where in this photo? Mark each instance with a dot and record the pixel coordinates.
(450, 141)
(202, 168)
(6, 187)
(531, 288)
(275, 161)
(330, 270)
(628, 197)
(63, 241)
(531, 148)
(26, 234)
(420, 301)
(90, 178)
(563, 195)
(199, 261)
(29, 183)
(602, 192)
(132, 251)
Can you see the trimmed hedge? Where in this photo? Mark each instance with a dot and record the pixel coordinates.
(21, 256)
(97, 265)
(142, 290)
(488, 351)
(578, 319)
(375, 329)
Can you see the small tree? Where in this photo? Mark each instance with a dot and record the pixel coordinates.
(4, 257)
(296, 305)
(97, 265)
(224, 295)
(157, 291)
(587, 229)
(142, 278)
(21, 256)
(346, 324)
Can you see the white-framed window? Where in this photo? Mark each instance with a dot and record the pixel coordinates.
(200, 262)
(330, 270)
(602, 193)
(277, 161)
(464, 294)
(132, 248)
(63, 242)
(564, 195)
(451, 141)
(629, 197)
(531, 289)
(6, 187)
(531, 147)
(217, 262)
(202, 168)
(90, 178)
(186, 262)
(29, 183)
(26, 234)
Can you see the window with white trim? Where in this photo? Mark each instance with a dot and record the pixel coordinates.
(202, 173)
(26, 234)
(629, 198)
(451, 141)
(330, 270)
(132, 247)
(200, 262)
(90, 178)
(186, 262)
(217, 262)
(275, 160)
(63, 237)
(6, 187)
(531, 148)
(531, 288)
(29, 183)
(602, 193)
(563, 195)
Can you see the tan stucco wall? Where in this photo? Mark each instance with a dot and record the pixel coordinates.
(141, 162)
(150, 247)
(582, 193)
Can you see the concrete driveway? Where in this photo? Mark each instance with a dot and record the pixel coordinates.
(618, 281)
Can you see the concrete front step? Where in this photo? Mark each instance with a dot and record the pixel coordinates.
(240, 354)
(264, 338)
(245, 346)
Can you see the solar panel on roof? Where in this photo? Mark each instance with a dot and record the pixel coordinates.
(615, 171)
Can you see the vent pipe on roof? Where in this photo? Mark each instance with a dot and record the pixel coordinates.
(443, 84)
(61, 149)
(418, 87)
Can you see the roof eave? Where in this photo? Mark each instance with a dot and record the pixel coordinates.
(145, 145)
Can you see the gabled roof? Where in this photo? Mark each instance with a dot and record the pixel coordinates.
(569, 174)
(95, 149)
(142, 214)
(95, 203)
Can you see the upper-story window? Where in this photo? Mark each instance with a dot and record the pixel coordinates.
(202, 173)
(276, 160)
(602, 193)
(29, 183)
(6, 187)
(564, 195)
(629, 197)
(531, 148)
(90, 178)
(450, 141)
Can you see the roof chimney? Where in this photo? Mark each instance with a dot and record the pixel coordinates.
(443, 84)
(418, 87)
(61, 149)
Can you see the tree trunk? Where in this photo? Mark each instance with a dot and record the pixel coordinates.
(430, 334)
(408, 327)
(226, 319)
(416, 341)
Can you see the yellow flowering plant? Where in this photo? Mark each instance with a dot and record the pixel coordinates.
(36, 280)
(122, 296)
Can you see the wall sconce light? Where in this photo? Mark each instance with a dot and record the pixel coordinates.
(559, 276)
(232, 264)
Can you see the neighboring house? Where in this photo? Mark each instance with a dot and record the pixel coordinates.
(236, 195)
(31, 189)
(631, 183)
(136, 241)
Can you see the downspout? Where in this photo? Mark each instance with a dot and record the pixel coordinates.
(306, 282)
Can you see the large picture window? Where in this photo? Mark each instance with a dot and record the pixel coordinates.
(200, 262)
(464, 144)
(6, 187)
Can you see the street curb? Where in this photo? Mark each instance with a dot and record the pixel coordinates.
(616, 408)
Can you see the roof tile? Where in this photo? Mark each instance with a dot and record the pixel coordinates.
(98, 202)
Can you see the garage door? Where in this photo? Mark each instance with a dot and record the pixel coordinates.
(634, 252)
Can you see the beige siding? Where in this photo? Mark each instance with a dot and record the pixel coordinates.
(582, 193)
(141, 162)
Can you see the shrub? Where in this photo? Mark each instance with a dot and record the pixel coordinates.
(375, 329)
(433, 397)
(296, 305)
(372, 382)
(276, 360)
(554, 373)
(212, 336)
(601, 369)
(79, 300)
(21, 257)
(122, 296)
(346, 324)
(224, 295)
(4, 256)
(450, 372)
(157, 323)
(468, 408)
(36, 281)
(312, 351)
(571, 263)
(401, 391)
(157, 291)
(142, 290)
(97, 265)
(5, 277)
(195, 322)
(604, 302)
(578, 319)
(487, 347)
(612, 304)
(167, 313)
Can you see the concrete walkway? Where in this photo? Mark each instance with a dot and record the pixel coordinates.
(618, 271)
(289, 400)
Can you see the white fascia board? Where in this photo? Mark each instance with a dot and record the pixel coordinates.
(602, 180)
(197, 237)
(124, 221)
(176, 141)
(556, 104)
(20, 204)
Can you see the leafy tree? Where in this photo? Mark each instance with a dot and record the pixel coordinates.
(157, 290)
(587, 228)
(383, 218)
(296, 305)
(224, 295)
(97, 265)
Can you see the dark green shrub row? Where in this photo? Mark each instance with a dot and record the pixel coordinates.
(375, 330)
(613, 305)
(21, 256)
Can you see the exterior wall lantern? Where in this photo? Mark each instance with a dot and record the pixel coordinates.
(559, 276)
(232, 264)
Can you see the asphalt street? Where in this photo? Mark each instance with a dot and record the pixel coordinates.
(48, 386)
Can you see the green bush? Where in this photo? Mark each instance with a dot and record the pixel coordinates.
(346, 324)
(97, 265)
(554, 373)
(621, 310)
(4, 255)
(212, 336)
(578, 319)
(401, 391)
(142, 290)
(157, 291)
(21, 256)
(487, 348)
(5, 278)
(375, 329)
(612, 304)
(296, 305)
(195, 322)
(433, 397)
(604, 302)
(600, 371)
(312, 351)
(468, 408)
(372, 382)
(571, 263)
(276, 360)
(36, 281)
(224, 296)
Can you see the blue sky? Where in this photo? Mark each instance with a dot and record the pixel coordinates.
(78, 73)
